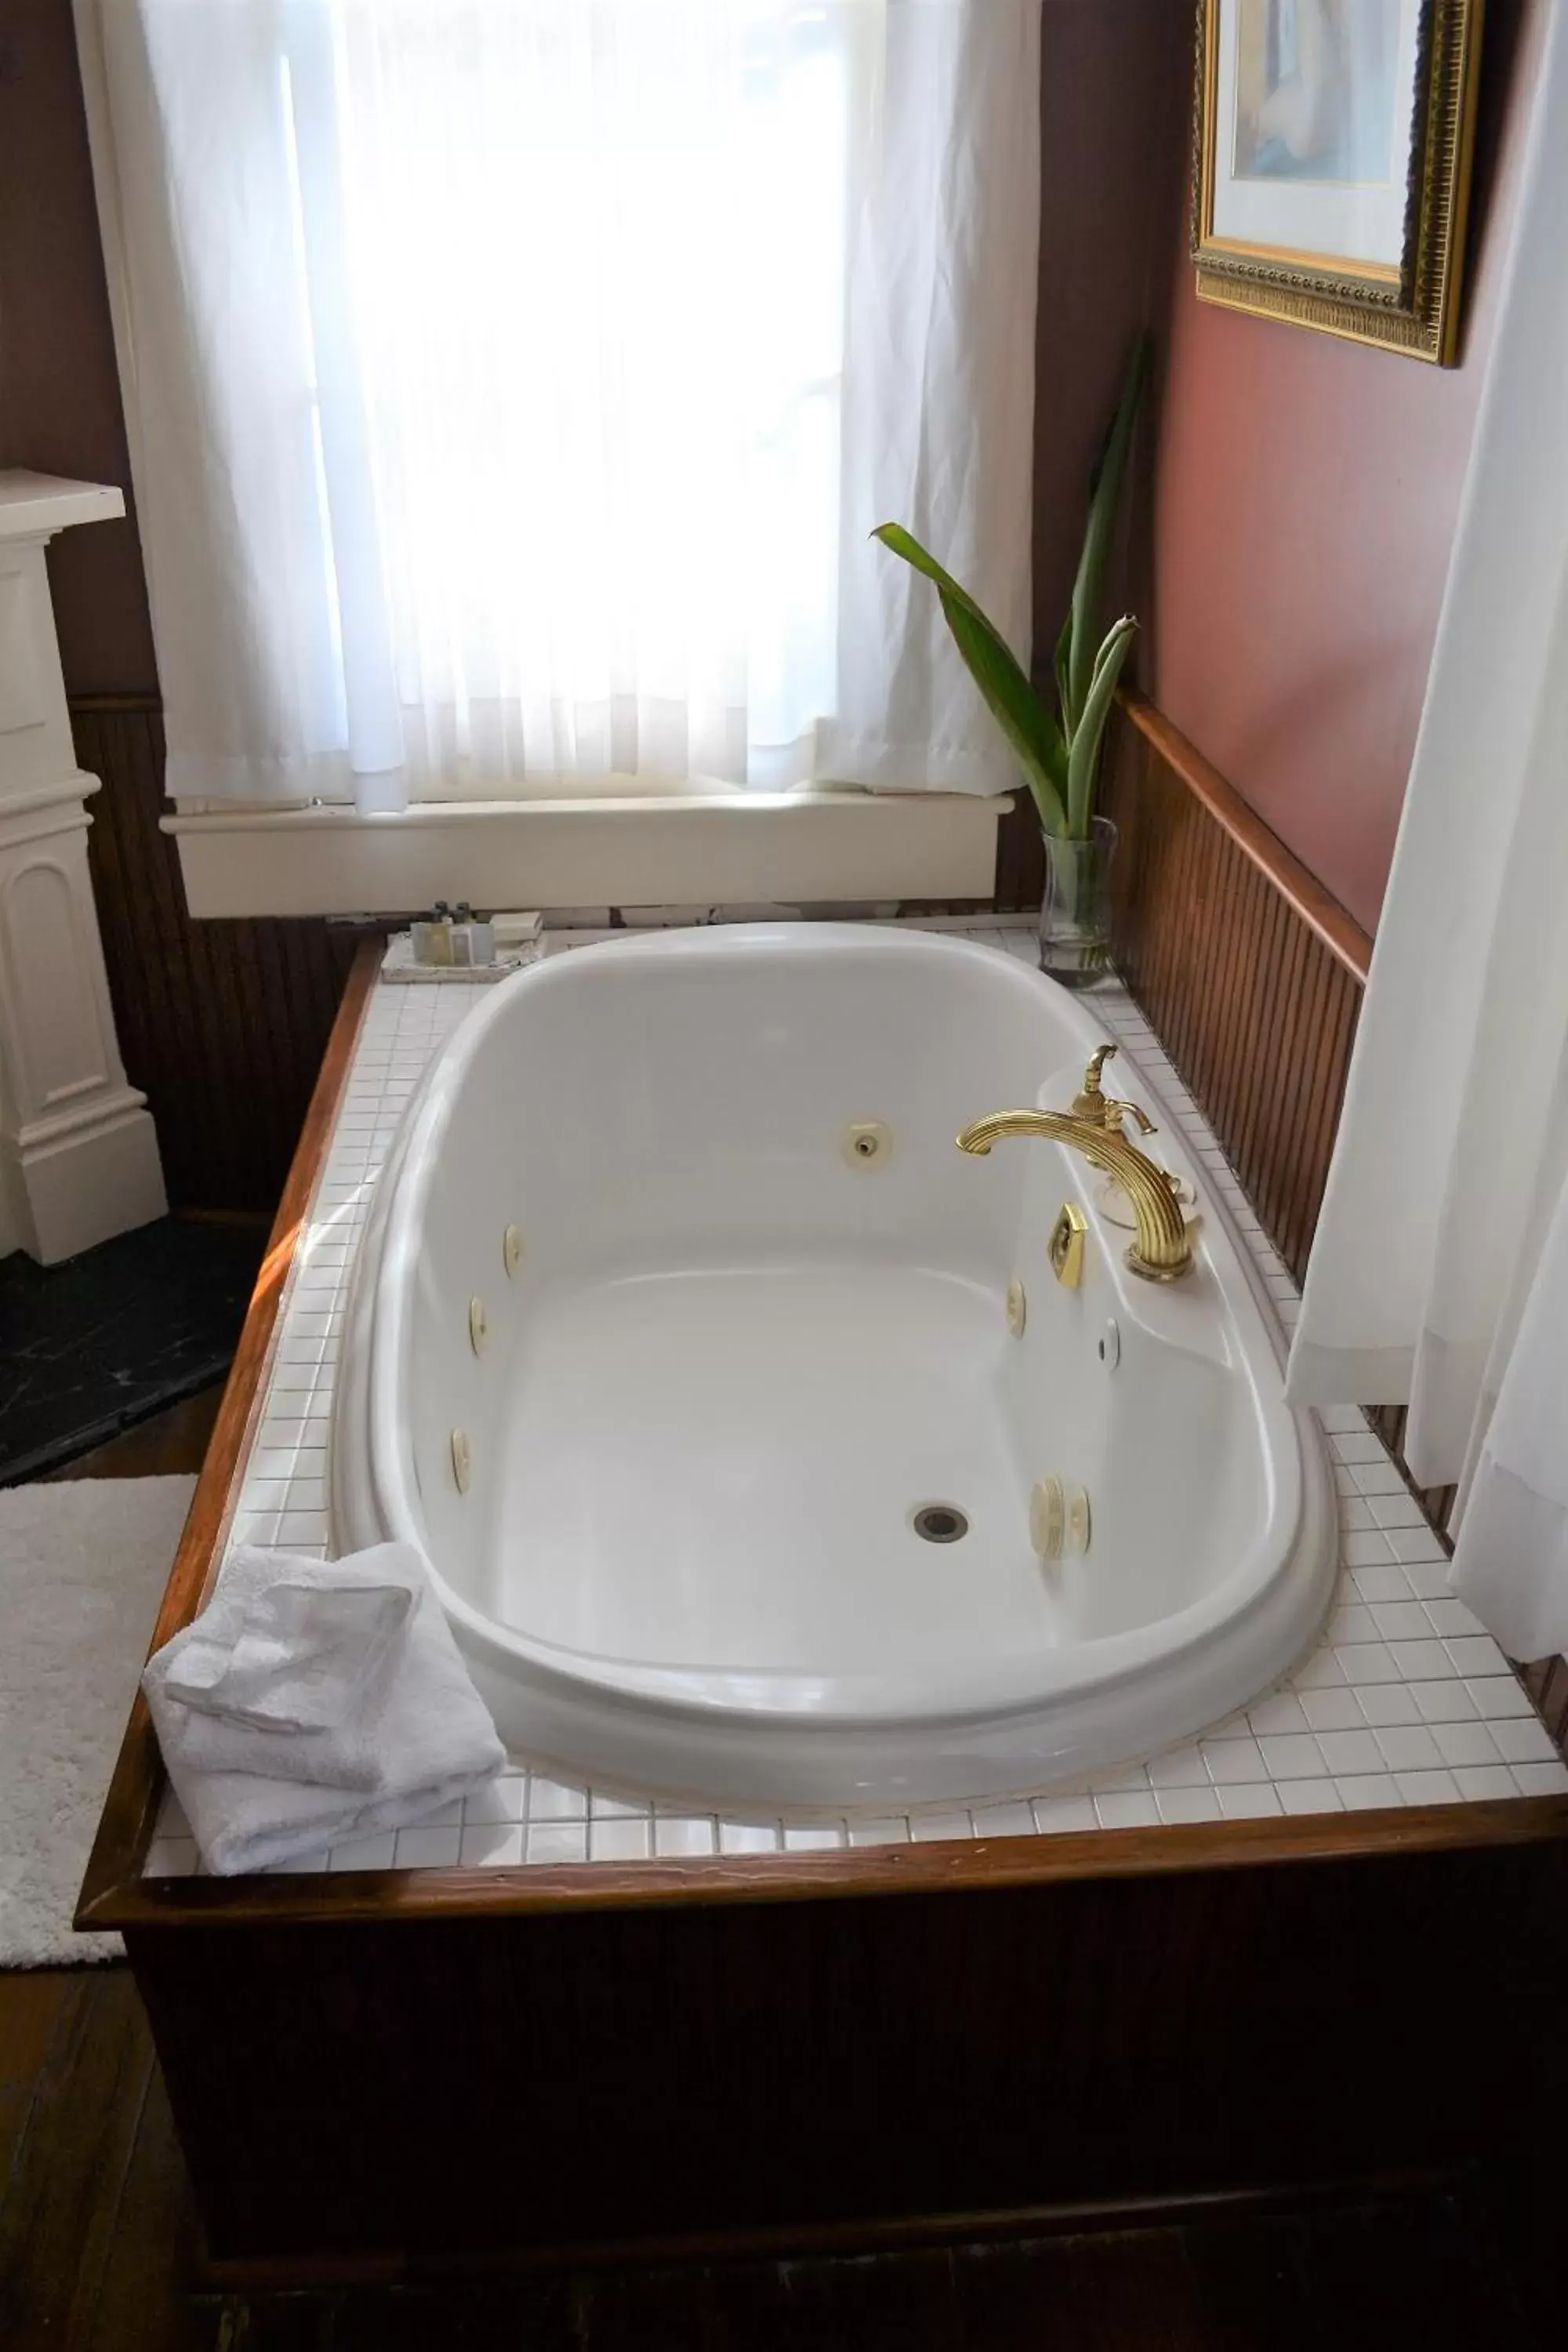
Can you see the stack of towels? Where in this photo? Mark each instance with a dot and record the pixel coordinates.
(315, 1701)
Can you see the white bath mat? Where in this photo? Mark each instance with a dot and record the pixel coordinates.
(83, 1568)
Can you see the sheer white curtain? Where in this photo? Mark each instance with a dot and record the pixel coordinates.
(513, 382)
(1439, 1276)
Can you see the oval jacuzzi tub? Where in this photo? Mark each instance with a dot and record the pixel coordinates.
(751, 1326)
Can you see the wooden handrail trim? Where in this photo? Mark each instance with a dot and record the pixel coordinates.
(1317, 907)
(973, 1866)
(131, 1809)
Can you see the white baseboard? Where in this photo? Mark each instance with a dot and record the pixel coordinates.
(80, 1185)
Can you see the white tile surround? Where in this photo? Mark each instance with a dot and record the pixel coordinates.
(1406, 1701)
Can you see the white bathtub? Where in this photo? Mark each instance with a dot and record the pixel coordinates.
(734, 1359)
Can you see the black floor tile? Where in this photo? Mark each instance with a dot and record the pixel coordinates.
(89, 1347)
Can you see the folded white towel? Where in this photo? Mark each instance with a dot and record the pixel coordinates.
(314, 1702)
(241, 1822)
(290, 1651)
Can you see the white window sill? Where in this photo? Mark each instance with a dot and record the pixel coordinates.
(793, 849)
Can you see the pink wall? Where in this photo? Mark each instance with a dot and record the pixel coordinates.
(1306, 497)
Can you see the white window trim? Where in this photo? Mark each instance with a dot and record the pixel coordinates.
(799, 848)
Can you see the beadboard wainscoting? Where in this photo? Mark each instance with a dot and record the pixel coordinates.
(1251, 975)
(1248, 972)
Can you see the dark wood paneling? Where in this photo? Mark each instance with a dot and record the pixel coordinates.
(1418, 2269)
(1250, 973)
(431, 2088)
(1547, 1683)
(223, 1024)
(1020, 858)
(1436, 1502)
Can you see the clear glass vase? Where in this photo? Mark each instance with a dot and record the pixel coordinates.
(1075, 919)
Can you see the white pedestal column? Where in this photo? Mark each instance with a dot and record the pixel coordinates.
(78, 1158)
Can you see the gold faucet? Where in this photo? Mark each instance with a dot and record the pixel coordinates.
(1162, 1252)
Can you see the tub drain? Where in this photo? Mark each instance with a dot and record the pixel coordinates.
(940, 1523)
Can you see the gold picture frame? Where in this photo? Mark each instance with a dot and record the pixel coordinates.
(1291, 164)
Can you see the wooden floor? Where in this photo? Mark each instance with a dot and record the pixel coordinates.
(100, 2247)
(169, 1443)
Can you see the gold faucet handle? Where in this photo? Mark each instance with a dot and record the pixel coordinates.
(1115, 1112)
(1089, 1102)
(1102, 1109)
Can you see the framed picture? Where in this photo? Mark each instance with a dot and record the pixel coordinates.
(1331, 163)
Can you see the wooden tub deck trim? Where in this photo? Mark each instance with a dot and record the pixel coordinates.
(115, 1895)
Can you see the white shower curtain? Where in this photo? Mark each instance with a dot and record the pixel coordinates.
(1440, 1275)
(513, 382)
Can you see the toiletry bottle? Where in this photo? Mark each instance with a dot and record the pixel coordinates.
(437, 940)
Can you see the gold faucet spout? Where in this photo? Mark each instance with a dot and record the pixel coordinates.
(1162, 1252)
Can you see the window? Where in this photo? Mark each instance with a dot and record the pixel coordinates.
(513, 384)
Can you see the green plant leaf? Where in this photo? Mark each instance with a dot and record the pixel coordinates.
(1062, 669)
(1035, 739)
(919, 558)
(1032, 733)
(1105, 498)
(1083, 757)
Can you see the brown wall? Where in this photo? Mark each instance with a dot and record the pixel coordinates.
(1307, 495)
(1114, 97)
